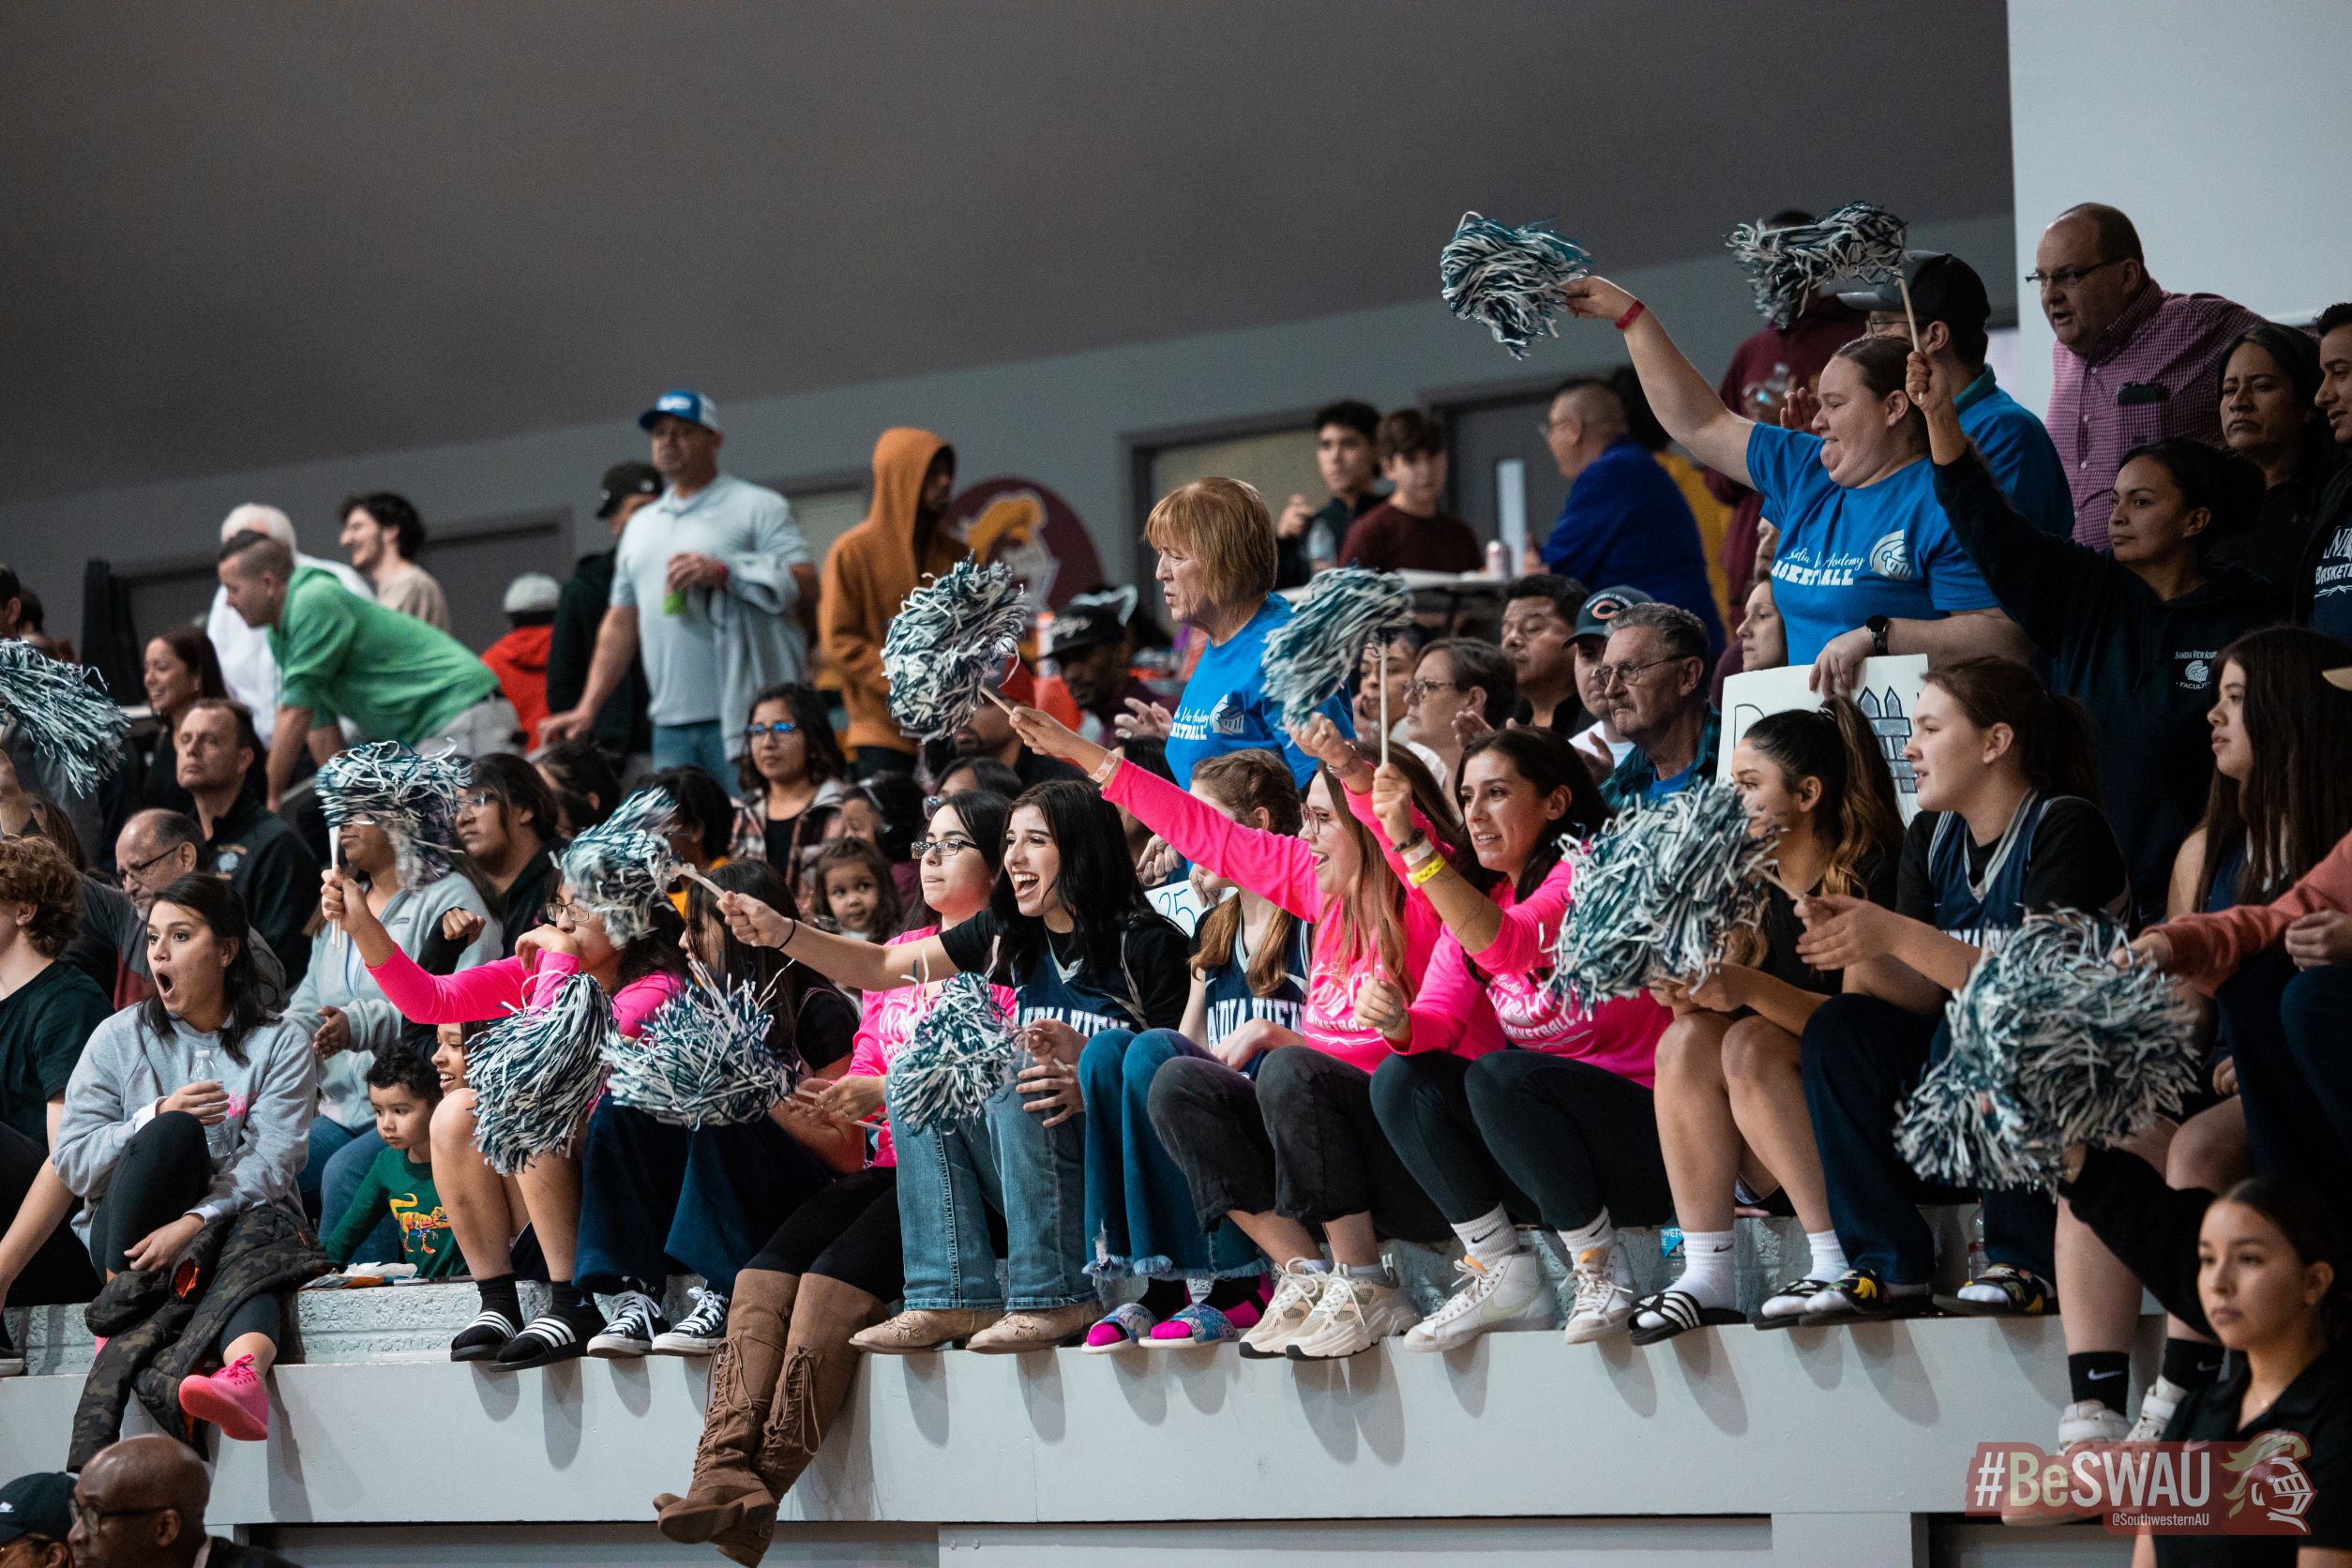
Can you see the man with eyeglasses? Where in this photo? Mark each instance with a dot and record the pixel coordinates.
(2132, 363)
(1653, 679)
(141, 1504)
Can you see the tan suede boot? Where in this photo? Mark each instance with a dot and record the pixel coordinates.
(725, 1493)
(819, 1366)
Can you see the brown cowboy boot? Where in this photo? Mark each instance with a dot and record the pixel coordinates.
(726, 1492)
(819, 1366)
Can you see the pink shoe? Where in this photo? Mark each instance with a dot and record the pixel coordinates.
(232, 1399)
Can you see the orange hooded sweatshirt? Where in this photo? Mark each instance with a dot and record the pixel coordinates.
(868, 573)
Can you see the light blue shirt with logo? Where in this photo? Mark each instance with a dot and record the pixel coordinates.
(1846, 555)
(1224, 708)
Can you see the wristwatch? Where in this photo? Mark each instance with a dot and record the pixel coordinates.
(1878, 626)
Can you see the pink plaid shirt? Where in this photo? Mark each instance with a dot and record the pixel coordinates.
(2165, 343)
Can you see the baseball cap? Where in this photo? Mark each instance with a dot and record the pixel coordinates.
(532, 594)
(1090, 620)
(1944, 289)
(691, 406)
(40, 1504)
(624, 479)
(1606, 606)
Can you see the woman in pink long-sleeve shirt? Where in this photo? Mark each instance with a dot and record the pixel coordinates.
(1298, 1146)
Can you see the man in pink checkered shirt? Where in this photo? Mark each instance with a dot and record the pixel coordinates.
(2133, 364)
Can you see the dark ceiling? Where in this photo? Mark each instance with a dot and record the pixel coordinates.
(246, 234)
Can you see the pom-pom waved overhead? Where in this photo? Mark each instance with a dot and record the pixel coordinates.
(2053, 1043)
(1785, 266)
(413, 798)
(1658, 893)
(64, 710)
(960, 1052)
(1310, 657)
(621, 866)
(703, 1058)
(951, 639)
(1509, 279)
(534, 1075)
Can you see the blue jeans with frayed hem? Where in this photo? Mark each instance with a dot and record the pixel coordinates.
(1007, 1159)
(1139, 1213)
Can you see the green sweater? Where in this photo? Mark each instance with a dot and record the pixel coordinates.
(342, 657)
(394, 1183)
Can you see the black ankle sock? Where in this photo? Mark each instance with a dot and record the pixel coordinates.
(1227, 1294)
(568, 1300)
(2102, 1374)
(497, 1295)
(2192, 1364)
(1163, 1297)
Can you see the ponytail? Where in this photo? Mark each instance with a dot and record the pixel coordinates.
(1859, 815)
(2052, 737)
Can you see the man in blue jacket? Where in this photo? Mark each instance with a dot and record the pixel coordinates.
(1624, 521)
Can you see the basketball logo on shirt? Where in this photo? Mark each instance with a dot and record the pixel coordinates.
(1891, 558)
(1225, 718)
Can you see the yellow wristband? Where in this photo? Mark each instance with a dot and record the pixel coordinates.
(1423, 873)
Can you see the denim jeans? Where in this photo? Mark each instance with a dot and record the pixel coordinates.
(1005, 1159)
(1140, 1214)
(694, 746)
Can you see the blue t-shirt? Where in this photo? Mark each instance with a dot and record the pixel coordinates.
(1625, 523)
(2018, 449)
(1846, 555)
(1224, 707)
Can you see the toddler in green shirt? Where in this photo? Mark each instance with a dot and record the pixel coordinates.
(403, 1088)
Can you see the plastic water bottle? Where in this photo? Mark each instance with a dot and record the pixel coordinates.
(208, 1071)
(1323, 547)
(1498, 561)
(1979, 1260)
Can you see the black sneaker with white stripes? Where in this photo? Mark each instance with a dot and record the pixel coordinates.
(484, 1337)
(632, 1330)
(700, 1332)
(551, 1336)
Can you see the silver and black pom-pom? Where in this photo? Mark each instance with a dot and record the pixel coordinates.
(2052, 1042)
(534, 1073)
(950, 640)
(961, 1052)
(1509, 279)
(1785, 266)
(1310, 657)
(1658, 893)
(619, 867)
(63, 710)
(413, 797)
(703, 1058)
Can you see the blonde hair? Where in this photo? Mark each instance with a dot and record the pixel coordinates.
(1225, 522)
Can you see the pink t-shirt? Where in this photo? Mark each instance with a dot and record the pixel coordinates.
(885, 1021)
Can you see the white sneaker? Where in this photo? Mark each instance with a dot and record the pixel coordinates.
(2088, 1421)
(1510, 1295)
(700, 1332)
(1603, 1304)
(1351, 1316)
(2157, 1406)
(631, 1330)
(1296, 1291)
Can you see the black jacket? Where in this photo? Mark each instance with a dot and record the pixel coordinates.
(621, 723)
(274, 872)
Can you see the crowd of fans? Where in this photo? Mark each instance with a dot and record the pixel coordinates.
(1283, 985)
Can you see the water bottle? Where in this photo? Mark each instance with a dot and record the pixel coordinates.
(216, 1137)
(1978, 1258)
(1498, 561)
(1322, 549)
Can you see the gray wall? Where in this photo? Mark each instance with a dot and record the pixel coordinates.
(1063, 421)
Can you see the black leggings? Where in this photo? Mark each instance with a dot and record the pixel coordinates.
(163, 1171)
(848, 1231)
(59, 1271)
(1574, 1138)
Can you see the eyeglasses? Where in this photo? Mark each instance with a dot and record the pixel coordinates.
(140, 867)
(1420, 690)
(782, 728)
(1613, 674)
(1546, 427)
(2065, 277)
(476, 800)
(91, 1515)
(945, 848)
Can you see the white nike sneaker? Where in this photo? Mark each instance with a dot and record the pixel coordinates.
(2157, 1406)
(1605, 1302)
(1349, 1318)
(2090, 1421)
(1297, 1290)
(1510, 1295)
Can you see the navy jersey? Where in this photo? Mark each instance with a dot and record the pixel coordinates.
(1147, 991)
(2057, 854)
(1232, 1003)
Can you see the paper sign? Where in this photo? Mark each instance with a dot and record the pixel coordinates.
(1888, 696)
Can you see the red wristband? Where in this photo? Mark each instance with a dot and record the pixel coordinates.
(1633, 314)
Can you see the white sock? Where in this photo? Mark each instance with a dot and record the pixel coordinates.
(1600, 1235)
(1707, 1272)
(1368, 1274)
(1308, 1265)
(1829, 1256)
(1490, 1237)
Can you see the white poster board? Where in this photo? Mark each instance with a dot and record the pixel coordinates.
(1888, 696)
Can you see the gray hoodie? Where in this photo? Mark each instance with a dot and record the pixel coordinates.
(125, 1071)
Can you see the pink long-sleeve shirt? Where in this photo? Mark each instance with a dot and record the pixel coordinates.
(494, 990)
(1517, 1006)
(886, 1022)
(1280, 868)
(2208, 949)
